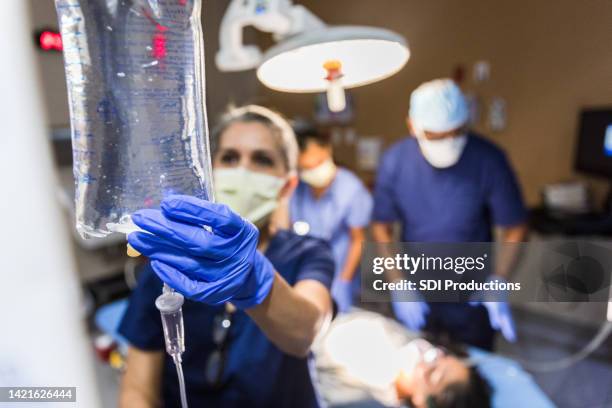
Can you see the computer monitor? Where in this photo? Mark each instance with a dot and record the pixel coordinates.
(594, 149)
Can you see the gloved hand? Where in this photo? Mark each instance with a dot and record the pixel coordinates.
(342, 293)
(500, 315)
(210, 267)
(410, 313)
(500, 318)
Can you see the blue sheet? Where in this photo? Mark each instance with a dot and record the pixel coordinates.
(513, 386)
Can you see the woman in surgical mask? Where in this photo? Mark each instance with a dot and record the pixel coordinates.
(256, 296)
(254, 163)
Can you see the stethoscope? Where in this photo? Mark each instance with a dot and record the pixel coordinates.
(302, 227)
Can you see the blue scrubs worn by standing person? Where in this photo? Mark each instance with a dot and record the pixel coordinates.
(256, 298)
(447, 184)
(331, 203)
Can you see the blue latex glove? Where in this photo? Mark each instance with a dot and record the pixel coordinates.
(210, 267)
(342, 293)
(500, 315)
(410, 313)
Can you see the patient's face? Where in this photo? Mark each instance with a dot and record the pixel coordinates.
(431, 379)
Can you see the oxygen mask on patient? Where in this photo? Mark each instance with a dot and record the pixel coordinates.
(418, 351)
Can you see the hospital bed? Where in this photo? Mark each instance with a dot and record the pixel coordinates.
(512, 386)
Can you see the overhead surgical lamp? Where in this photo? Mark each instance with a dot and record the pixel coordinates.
(311, 56)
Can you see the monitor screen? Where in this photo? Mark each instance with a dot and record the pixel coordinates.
(594, 149)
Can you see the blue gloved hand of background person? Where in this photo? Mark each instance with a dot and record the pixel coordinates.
(211, 267)
(342, 293)
(411, 314)
(500, 317)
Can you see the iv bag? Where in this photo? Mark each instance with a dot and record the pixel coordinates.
(135, 76)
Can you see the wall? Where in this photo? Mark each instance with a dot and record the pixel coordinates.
(549, 59)
(223, 88)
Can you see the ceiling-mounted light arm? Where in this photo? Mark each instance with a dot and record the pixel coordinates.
(279, 17)
(302, 20)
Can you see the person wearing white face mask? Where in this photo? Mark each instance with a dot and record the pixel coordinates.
(331, 203)
(256, 296)
(447, 184)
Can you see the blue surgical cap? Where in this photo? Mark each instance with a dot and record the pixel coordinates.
(438, 106)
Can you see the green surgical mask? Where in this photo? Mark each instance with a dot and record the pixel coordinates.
(251, 194)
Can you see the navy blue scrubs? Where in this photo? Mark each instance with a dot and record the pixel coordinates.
(461, 203)
(256, 373)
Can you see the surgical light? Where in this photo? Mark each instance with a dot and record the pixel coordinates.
(311, 56)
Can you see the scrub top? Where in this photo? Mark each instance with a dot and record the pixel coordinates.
(345, 204)
(460, 203)
(256, 373)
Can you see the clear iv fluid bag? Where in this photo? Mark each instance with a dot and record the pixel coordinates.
(135, 75)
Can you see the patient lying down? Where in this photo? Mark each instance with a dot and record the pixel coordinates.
(368, 360)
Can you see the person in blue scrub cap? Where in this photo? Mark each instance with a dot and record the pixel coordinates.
(255, 297)
(445, 183)
(331, 203)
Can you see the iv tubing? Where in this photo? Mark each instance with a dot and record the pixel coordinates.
(181, 378)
